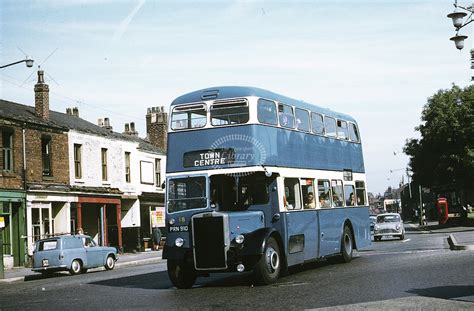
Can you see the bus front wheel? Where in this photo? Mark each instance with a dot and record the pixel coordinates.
(181, 275)
(268, 267)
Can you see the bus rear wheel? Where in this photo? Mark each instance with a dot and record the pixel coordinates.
(347, 246)
(268, 267)
(181, 275)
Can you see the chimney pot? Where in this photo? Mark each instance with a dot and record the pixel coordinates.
(68, 111)
(132, 127)
(100, 122)
(75, 112)
(127, 128)
(40, 76)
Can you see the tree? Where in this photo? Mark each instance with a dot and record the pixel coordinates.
(443, 158)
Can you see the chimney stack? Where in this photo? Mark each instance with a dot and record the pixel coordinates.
(100, 122)
(157, 126)
(130, 129)
(107, 125)
(75, 112)
(69, 111)
(41, 97)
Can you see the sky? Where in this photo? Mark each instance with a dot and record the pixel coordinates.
(378, 61)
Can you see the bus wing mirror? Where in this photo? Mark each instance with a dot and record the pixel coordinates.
(163, 185)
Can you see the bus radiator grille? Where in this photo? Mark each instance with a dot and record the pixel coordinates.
(209, 245)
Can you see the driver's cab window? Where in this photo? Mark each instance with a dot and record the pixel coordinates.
(292, 195)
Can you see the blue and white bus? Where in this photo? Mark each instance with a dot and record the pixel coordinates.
(259, 181)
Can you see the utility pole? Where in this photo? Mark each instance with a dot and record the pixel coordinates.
(421, 207)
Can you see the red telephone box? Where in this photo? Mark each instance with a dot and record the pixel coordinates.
(442, 205)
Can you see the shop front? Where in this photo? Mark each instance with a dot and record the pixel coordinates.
(12, 210)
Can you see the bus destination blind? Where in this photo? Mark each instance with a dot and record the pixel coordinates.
(210, 157)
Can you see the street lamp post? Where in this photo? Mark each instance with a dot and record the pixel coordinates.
(27, 60)
(458, 23)
(29, 64)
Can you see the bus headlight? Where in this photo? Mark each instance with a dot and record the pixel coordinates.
(239, 239)
(179, 242)
(171, 221)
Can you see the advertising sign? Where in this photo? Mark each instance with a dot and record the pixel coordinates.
(158, 217)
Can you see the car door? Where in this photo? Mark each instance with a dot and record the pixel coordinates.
(94, 253)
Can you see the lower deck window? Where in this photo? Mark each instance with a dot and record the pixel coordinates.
(292, 197)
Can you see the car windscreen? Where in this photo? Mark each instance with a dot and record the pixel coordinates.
(388, 218)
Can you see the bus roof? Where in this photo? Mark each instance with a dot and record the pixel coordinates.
(222, 92)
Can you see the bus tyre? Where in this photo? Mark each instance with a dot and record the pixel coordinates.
(346, 245)
(268, 267)
(181, 275)
(402, 237)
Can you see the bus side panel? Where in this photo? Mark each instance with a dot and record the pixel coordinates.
(302, 234)
(332, 225)
(360, 223)
(266, 145)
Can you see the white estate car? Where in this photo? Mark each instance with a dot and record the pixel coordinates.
(389, 224)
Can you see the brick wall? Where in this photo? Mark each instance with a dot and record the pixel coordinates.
(156, 127)
(59, 154)
(12, 180)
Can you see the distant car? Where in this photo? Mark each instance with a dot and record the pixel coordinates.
(389, 224)
(373, 220)
(73, 253)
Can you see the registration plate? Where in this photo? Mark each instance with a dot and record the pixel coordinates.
(45, 262)
(179, 229)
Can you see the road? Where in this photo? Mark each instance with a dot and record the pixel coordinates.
(419, 271)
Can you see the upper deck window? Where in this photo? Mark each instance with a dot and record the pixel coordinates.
(317, 123)
(302, 119)
(353, 132)
(188, 117)
(229, 112)
(285, 114)
(330, 126)
(267, 112)
(342, 130)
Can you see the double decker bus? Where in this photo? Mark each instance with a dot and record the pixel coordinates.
(257, 181)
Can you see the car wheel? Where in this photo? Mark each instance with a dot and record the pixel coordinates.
(109, 263)
(76, 267)
(268, 267)
(181, 275)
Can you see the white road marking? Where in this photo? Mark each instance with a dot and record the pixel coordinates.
(406, 240)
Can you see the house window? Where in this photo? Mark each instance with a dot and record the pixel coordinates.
(7, 149)
(104, 163)
(158, 172)
(77, 161)
(46, 156)
(127, 167)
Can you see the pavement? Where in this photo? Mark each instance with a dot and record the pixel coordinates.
(461, 234)
(127, 259)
